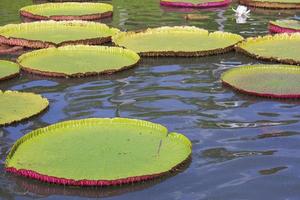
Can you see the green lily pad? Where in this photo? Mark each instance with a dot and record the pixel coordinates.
(284, 26)
(279, 81)
(67, 11)
(98, 151)
(276, 4)
(8, 70)
(267, 48)
(78, 60)
(16, 106)
(177, 41)
(43, 34)
(293, 24)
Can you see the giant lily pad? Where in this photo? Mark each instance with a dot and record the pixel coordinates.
(280, 81)
(44, 34)
(279, 4)
(8, 70)
(67, 11)
(195, 3)
(98, 152)
(284, 26)
(177, 41)
(16, 106)
(78, 60)
(283, 48)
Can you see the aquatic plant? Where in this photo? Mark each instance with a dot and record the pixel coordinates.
(7, 49)
(43, 34)
(177, 41)
(195, 3)
(277, 81)
(16, 106)
(98, 152)
(272, 4)
(282, 48)
(8, 70)
(78, 60)
(67, 11)
(284, 26)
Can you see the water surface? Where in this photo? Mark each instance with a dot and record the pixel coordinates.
(243, 147)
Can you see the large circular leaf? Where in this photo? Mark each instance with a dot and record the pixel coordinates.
(78, 60)
(67, 11)
(98, 152)
(8, 70)
(279, 4)
(195, 3)
(280, 81)
(283, 48)
(284, 26)
(43, 34)
(16, 106)
(177, 41)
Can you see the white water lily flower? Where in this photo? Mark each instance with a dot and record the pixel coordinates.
(241, 11)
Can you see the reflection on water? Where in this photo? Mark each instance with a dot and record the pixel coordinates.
(39, 189)
(272, 170)
(244, 147)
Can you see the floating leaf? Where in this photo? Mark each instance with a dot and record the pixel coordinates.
(277, 4)
(78, 60)
(177, 41)
(16, 106)
(283, 48)
(67, 11)
(284, 26)
(6, 49)
(8, 70)
(195, 3)
(43, 34)
(279, 81)
(98, 151)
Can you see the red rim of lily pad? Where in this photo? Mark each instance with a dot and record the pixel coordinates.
(6, 49)
(276, 28)
(72, 182)
(193, 5)
(270, 5)
(90, 17)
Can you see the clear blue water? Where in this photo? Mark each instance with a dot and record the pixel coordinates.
(243, 147)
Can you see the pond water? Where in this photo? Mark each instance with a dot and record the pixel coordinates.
(243, 147)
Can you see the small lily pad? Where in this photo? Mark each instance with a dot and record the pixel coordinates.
(67, 11)
(8, 70)
(278, 81)
(98, 152)
(16, 106)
